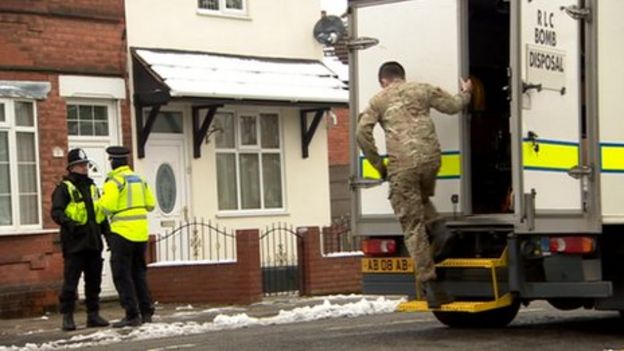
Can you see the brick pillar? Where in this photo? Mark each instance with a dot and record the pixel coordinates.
(150, 253)
(249, 277)
(311, 257)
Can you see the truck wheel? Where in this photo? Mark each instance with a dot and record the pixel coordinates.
(497, 318)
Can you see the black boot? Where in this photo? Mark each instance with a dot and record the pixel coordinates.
(128, 322)
(146, 316)
(68, 322)
(436, 296)
(441, 240)
(95, 320)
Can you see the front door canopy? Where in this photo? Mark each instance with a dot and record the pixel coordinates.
(208, 79)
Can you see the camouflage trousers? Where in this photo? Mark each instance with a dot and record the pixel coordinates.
(410, 191)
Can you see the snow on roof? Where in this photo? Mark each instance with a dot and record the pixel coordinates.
(192, 74)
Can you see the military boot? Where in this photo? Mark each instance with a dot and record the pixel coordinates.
(68, 322)
(441, 240)
(436, 296)
(95, 320)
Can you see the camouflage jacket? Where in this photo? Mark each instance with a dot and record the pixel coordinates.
(402, 110)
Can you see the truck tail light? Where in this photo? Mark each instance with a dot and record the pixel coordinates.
(573, 244)
(378, 247)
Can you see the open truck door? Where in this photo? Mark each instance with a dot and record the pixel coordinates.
(554, 153)
(430, 50)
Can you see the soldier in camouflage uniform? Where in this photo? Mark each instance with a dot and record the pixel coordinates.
(414, 157)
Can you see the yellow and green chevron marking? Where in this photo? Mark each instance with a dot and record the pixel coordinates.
(450, 168)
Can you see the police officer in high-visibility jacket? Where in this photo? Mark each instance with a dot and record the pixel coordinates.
(82, 226)
(126, 200)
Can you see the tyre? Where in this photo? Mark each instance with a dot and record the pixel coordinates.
(497, 318)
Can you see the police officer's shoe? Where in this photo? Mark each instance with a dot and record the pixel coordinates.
(147, 317)
(68, 322)
(128, 322)
(436, 296)
(441, 240)
(95, 320)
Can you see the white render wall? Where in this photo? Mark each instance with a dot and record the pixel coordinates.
(273, 28)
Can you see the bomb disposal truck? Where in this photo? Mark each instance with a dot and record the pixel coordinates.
(532, 176)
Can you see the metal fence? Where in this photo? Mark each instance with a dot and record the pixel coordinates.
(196, 241)
(279, 258)
(338, 237)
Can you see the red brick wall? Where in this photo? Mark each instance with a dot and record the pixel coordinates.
(328, 275)
(30, 271)
(338, 139)
(228, 283)
(40, 40)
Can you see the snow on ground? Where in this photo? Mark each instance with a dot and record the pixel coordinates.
(325, 310)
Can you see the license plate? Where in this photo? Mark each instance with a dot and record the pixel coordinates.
(388, 265)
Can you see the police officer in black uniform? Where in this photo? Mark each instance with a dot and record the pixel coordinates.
(81, 239)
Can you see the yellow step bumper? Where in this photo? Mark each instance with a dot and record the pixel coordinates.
(459, 306)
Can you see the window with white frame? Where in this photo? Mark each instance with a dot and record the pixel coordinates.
(233, 7)
(19, 165)
(248, 146)
(88, 120)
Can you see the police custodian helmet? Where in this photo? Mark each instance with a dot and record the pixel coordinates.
(117, 152)
(76, 157)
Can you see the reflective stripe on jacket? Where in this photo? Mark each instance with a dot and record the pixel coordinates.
(76, 210)
(126, 200)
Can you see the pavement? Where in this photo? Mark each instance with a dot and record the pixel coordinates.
(45, 328)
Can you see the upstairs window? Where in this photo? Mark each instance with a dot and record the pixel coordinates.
(225, 7)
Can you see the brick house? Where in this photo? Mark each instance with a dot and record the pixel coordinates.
(62, 84)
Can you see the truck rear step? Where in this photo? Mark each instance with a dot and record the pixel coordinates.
(420, 304)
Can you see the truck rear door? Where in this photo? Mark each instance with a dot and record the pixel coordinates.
(424, 36)
(554, 178)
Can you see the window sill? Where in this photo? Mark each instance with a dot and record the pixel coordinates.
(252, 213)
(209, 13)
(27, 231)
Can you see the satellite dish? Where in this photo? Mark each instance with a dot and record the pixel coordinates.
(328, 29)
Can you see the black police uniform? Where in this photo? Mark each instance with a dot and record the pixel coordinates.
(81, 245)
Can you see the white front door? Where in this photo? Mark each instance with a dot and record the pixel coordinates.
(165, 173)
(92, 126)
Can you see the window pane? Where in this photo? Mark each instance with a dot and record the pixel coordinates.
(27, 178)
(2, 113)
(25, 147)
(85, 113)
(269, 131)
(4, 147)
(226, 181)
(86, 128)
(5, 181)
(250, 181)
(166, 188)
(234, 4)
(100, 113)
(72, 128)
(272, 178)
(101, 128)
(6, 213)
(168, 122)
(208, 4)
(72, 112)
(224, 124)
(29, 209)
(24, 114)
(248, 130)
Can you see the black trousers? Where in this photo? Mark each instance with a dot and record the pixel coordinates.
(129, 275)
(89, 263)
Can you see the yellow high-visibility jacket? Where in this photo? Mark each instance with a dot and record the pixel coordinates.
(76, 210)
(126, 200)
